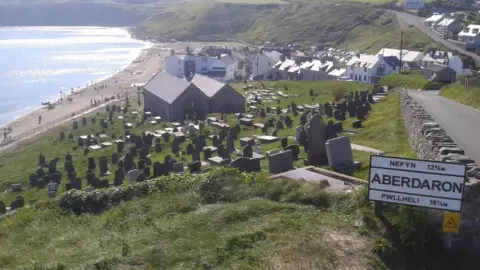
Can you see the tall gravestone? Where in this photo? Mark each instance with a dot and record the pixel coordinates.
(316, 141)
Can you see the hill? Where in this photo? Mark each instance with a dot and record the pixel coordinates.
(356, 25)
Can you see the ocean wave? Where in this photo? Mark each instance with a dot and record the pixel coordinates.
(50, 42)
(42, 73)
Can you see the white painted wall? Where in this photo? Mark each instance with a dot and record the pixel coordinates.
(172, 64)
(264, 66)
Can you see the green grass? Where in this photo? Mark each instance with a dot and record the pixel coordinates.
(411, 80)
(383, 132)
(469, 96)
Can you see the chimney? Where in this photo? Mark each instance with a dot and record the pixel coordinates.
(380, 56)
(282, 57)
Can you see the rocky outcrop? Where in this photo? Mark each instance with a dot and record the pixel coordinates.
(431, 142)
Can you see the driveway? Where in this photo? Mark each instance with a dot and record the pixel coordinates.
(405, 18)
(460, 122)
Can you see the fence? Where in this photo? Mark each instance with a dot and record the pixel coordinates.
(61, 120)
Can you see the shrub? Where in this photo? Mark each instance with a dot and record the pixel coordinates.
(338, 93)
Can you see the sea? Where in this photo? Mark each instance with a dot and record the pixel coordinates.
(40, 64)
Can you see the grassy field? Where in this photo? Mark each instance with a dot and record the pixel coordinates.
(411, 81)
(343, 24)
(469, 96)
(383, 131)
(222, 219)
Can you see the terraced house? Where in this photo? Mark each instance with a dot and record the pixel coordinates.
(371, 68)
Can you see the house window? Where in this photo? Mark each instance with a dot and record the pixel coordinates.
(394, 67)
(179, 61)
(364, 69)
(364, 78)
(204, 69)
(355, 77)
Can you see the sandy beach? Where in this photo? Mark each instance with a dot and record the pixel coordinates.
(148, 63)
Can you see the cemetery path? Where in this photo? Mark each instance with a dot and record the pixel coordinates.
(461, 122)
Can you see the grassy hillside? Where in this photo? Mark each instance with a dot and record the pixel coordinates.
(350, 24)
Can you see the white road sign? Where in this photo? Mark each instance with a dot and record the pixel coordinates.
(422, 183)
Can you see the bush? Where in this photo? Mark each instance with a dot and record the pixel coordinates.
(412, 81)
(339, 93)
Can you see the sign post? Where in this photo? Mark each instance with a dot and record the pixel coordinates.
(421, 183)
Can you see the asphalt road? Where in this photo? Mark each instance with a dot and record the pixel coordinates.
(405, 18)
(460, 122)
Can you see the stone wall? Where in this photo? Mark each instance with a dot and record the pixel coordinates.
(431, 142)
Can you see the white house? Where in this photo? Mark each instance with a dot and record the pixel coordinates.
(370, 68)
(186, 65)
(410, 59)
(447, 59)
(316, 70)
(282, 68)
(433, 20)
(337, 73)
(471, 36)
(414, 4)
(262, 65)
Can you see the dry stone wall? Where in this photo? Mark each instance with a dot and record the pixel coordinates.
(431, 142)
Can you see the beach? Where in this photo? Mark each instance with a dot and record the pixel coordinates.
(141, 70)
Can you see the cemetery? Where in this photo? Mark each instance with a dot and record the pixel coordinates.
(123, 145)
(228, 191)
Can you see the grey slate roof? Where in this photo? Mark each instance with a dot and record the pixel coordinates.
(437, 68)
(392, 61)
(207, 85)
(166, 86)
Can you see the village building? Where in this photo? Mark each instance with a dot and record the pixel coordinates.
(414, 4)
(371, 68)
(446, 59)
(409, 59)
(171, 97)
(433, 20)
(262, 66)
(449, 27)
(439, 73)
(471, 37)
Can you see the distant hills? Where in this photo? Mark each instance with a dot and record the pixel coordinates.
(342, 24)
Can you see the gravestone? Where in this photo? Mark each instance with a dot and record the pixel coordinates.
(56, 178)
(114, 158)
(288, 122)
(298, 129)
(195, 155)
(3, 208)
(62, 135)
(166, 137)
(330, 130)
(141, 177)
(41, 183)
(75, 125)
(33, 180)
(178, 167)
(295, 150)
(284, 142)
(91, 163)
(41, 160)
(84, 121)
(357, 124)
(230, 144)
(103, 166)
(280, 162)
(132, 176)
(68, 167)
(157, 168)
(279, 125)
(339, 153)
(146, 171)
(175, 146)
(141, 164)
(316, 143)
(207, 153)
(338, 127)
(16, 187)
(158, 148)
(215, 141)
(265, 129)
(248, 151)
(52, 166)
(189, 149)
(195, 167)
(52, 189)
(19, 202)
(40, 173)
(274, 132)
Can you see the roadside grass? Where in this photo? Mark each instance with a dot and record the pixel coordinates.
(410, 81)
(469, 96)
(279, 224)
(383, 129)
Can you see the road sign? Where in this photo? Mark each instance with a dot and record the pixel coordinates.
(451, 222)
(422, 183)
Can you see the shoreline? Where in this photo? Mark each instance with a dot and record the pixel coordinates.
(148, 60)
